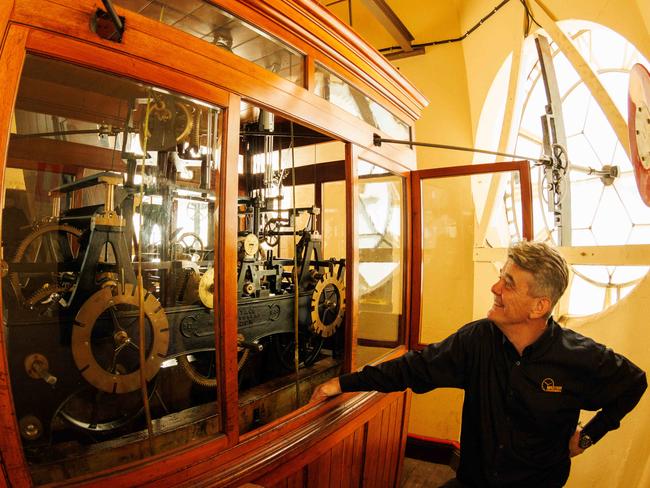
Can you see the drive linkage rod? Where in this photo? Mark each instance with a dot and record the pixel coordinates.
(378, 140)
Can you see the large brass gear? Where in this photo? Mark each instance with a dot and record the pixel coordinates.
(40, 232)
(112, 380)
(206, 288)
(327, 305)
(161, 135)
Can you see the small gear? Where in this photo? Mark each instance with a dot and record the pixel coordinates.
(248, 246)
(201, 379)
(46, 293)
(327, 305)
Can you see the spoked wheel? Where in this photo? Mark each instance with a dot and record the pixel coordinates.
(188, 246)
(309, 346)
(97, 411)
(106, 338)
(201, 367)
(49, 243)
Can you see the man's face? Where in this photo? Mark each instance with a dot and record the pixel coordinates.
(512, 302)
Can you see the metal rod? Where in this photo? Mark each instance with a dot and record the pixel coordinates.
(119, 27)
(378, 140)
(289, 136)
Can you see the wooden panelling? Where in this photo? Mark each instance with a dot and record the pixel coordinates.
(227, 288)
(367, 456)
(351, 255)
(6, 7)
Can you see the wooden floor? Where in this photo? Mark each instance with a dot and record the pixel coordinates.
(417, 473)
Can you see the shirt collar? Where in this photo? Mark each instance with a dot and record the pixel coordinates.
(541, 344)
(543, 341)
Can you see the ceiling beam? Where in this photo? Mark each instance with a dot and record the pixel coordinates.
(391, 22)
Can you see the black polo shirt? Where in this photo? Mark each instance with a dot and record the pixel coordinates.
(519, 412)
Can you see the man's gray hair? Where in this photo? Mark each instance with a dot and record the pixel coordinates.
(549, 269)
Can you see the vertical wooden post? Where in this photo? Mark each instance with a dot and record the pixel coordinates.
(225, 309)
(12, 58)
(351, 256)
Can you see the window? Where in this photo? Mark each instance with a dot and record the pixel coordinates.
(109, 212)
(291, 264)
(208, 22)
(606, 208)
(381, 260)
(342, 94)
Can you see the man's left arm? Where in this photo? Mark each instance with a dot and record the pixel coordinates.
(615, 387)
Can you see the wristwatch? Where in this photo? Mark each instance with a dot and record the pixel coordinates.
(584, 441)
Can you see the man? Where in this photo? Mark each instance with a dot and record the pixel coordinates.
(525, 380)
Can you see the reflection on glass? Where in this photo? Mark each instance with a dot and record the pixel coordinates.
(448, 221)
(108, 186)
(216, 26)
(381, 261)
(290, 274)
(354, 101)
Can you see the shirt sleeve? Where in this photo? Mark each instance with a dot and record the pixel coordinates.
(442, 364)
(615, 389)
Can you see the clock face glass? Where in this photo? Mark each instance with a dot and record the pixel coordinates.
(605, 206)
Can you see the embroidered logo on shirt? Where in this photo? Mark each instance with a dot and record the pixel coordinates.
(548, 385)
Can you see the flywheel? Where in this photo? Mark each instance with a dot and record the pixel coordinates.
(106, 340)
(327, 305)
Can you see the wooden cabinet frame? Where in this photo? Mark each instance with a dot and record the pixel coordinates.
(347, 425)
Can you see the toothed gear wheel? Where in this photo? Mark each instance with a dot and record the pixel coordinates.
(188, 246)
(327, 306)
(44, 294)
(105, 338)
(43, 233)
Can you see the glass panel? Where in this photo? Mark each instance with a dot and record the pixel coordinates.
(449, 212)
(208, 22)
(342, 94)
(86, 218)
(381, 261)
(284, 227)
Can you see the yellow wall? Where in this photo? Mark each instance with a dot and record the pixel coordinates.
(456, 79)
(441, 76)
